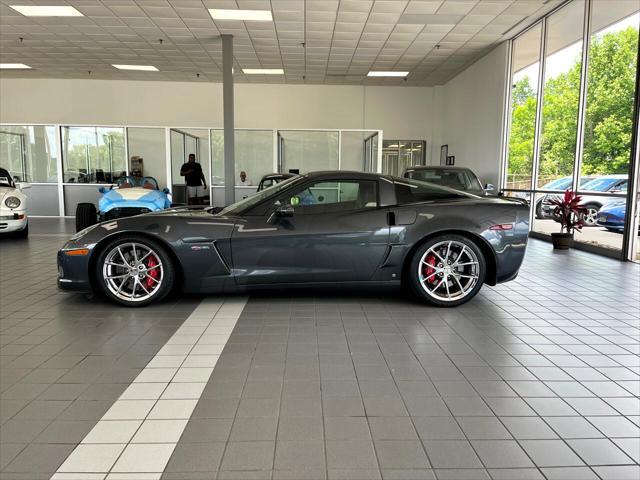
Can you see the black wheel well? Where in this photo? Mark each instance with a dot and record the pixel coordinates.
(179, 279)
(483, 245)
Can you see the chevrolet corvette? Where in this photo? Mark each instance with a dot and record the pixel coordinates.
(332, 228)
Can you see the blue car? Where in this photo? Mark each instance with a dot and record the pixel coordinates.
(611, 216)
(129, 196)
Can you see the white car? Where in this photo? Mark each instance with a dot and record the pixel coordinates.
(13, 206)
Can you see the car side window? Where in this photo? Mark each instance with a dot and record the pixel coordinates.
(408, 192)
(329, 197)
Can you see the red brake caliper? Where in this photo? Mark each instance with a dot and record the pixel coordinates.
(429, 270)
(152, 272)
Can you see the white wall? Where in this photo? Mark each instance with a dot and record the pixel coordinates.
(472, 113)
(402, 112)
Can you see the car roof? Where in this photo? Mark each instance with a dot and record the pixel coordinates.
(344, 174)
(434, 167)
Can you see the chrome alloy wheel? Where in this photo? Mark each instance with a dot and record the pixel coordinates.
(591, 216)
(132, 272)
(448, 271)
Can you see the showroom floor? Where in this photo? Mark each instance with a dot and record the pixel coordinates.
(537, 378)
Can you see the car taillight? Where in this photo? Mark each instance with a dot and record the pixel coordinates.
(502, 226)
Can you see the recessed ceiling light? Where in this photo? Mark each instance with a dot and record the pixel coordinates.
(144, 68)
(47, 10)
(14, 66)
(263, 71)
(246, 15)
(387, 74)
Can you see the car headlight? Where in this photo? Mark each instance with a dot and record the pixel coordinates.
(12, 202)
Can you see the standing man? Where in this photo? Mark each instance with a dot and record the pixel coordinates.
(194, 178)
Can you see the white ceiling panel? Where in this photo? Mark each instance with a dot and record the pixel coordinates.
(315, 41)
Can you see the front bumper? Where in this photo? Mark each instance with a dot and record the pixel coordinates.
(610, 221)
(12, 222)
(73, 271)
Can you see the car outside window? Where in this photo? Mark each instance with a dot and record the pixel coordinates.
(413, 191)
(329, 197)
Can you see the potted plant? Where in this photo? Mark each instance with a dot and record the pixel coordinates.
(569, 214)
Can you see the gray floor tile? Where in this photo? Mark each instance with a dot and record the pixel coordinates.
(551, 453)
(401, 454)
(483, 428)
(501, 454)
(392, 428)
(451, 454)
(346, 428)
(39, 458)
(196, 457)
(299, 455)
(532, 428)
(599, 451)
(259, 428)
(248, 456)
(351, 454)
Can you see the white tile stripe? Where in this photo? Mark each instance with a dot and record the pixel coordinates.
(137, 435)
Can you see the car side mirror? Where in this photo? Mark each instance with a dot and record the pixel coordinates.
(23, 186)
(103, 190)
(285, 210)
(166, 191)
(489, 187)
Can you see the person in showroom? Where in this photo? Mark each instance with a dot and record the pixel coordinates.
(194, 178)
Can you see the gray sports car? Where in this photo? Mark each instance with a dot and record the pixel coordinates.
(325, 228)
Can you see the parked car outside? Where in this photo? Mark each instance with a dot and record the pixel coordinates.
(558, 184)
(592, 203)
(458, 178)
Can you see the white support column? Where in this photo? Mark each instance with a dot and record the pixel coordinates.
(229, 134)
(167, 142)
(60, 171)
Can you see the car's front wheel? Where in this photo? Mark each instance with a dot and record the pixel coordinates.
(447, 270)
(134, 271)
(590, 216)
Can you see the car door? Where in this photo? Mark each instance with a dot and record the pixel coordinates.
(337, 232)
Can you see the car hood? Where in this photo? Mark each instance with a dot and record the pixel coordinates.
(133, 197)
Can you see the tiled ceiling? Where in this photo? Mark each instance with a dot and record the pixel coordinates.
(314, 41)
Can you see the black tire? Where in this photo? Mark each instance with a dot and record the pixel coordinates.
(24, 233)
(86, 216)
(412, 275)
(167, 280)
(539, 213)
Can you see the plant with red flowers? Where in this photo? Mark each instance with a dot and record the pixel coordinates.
(568, 212)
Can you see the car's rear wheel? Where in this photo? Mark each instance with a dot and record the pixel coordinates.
(134, 271)
(447, 270)
(86, 216)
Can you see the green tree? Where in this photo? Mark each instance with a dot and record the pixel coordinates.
(608, 117)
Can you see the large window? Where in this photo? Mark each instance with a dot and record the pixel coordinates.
(253, 152)
(93, 154)
(29, 152)
(576, 132)
(524, 101)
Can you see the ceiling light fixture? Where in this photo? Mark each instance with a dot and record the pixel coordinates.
(245, 15)
(387, 74)
(14, 66)
(47, 10)
(144, 68)
(263, 71)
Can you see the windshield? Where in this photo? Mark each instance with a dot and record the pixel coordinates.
(456, 179)
(600, 184)
(253, 200)
(559, 184)
(5, 179)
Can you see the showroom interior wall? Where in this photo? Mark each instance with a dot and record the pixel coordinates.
(473, 105)
(402, 112)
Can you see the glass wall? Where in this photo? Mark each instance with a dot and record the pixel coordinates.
(148, 153)
(525, 69)
(398, 155)
(308, 150)
(254, 156)
(93, 154)
(575, 132)
(29, 152)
